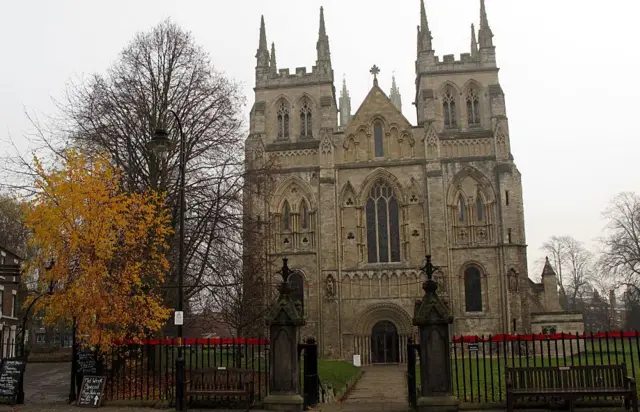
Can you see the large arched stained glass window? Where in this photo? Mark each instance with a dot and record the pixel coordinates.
(473, 289)
(383, 232)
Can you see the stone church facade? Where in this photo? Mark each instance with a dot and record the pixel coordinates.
(360, 198)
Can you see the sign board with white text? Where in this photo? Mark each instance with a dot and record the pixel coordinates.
(91, 391)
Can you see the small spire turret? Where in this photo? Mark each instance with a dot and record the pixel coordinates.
(395, 96)
(345, 105)
(424, 35)
(485, 34)
(262, 54)
(324, 54)
(273, 66)
(474, 42)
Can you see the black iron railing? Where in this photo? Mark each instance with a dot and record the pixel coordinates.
(478, 362)
(145, 370)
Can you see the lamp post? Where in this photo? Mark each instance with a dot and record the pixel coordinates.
(161, 144)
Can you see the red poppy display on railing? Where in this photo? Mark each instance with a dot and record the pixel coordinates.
(195, 341)
(536, 337)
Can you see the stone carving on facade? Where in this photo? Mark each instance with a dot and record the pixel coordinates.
(330, 287)
(441, 281)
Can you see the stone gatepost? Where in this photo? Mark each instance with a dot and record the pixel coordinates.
(284, 321)
(433, 319)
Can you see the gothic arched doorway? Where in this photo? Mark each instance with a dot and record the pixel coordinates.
(385, 343)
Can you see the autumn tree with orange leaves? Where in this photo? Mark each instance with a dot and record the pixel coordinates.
(108, 246)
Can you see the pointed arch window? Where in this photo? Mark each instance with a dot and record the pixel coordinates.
(473, 107)
(304, 215)
(480, 210)
(473, 289)
(461, 209)
(286, 216)
(283, 120)
(305, 119)
(383, 232)
(449, 109)
(378, 139)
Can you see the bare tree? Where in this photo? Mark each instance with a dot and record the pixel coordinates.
(120, 110)
(578, 268)
(573, 265)
(620, 256)
(13, 232)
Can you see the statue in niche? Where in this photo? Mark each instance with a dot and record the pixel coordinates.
(440, 280)
(330, 286)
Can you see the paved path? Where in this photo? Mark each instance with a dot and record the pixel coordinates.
(382, 388)
(47, 383)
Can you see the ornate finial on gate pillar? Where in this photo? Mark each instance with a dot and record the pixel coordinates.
(285, 270)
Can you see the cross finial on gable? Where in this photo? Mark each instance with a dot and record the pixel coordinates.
(375, 70)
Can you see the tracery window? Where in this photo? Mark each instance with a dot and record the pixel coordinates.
(461, 206)
(480, 211)
(473, 289)
(473, 107)
(383, 232)
(286, 216)
(378, 139)
(304, 215)
(449, 109)
(305, 119)
(283, 121)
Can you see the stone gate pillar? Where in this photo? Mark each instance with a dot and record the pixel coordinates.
(433, 319)
(284, 321)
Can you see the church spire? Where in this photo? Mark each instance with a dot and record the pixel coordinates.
(424, 35)
(322, 32)
(262, 55)
(395, 96)
(273, 66)
(485, 34)
(345, 105)
(324, 54)
(474, 42)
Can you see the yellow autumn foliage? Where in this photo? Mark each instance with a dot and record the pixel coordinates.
(109, 250)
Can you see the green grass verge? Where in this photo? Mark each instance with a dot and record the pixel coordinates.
(337, 374)
(482, 380)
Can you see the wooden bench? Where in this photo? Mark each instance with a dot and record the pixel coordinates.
(570, 383)
(220, 382)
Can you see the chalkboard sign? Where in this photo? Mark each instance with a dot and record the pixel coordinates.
(87, 363)
(91, 391)
(11, 373)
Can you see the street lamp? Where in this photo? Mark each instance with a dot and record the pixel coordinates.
(160, 144)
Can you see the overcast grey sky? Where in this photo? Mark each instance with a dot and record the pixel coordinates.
(568, 69)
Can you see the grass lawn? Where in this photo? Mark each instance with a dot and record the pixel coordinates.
(337, 374)
(482, 380)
